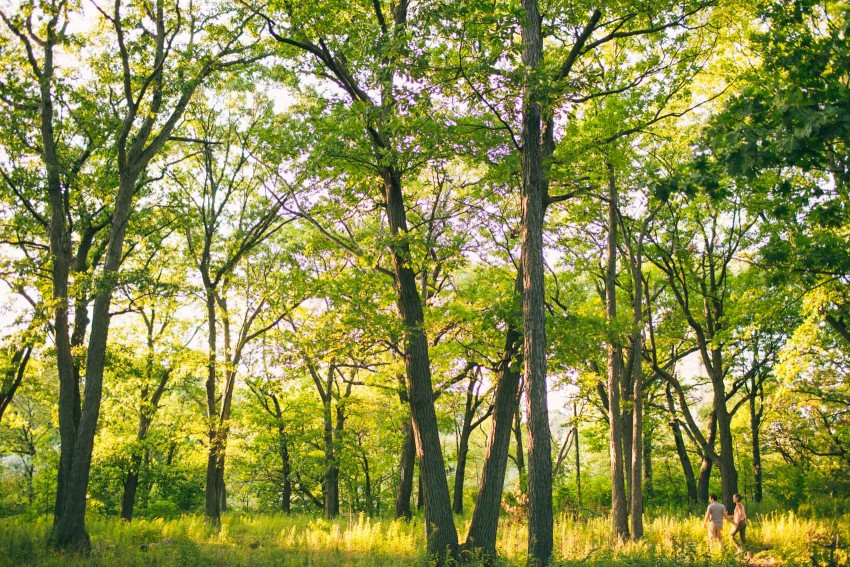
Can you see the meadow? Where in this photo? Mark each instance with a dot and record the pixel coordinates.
(776, 539)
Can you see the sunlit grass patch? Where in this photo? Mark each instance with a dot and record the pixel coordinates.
(776, 539)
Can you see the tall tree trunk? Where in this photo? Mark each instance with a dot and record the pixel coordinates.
(685, 461)
(145, 482)
(728, 472)
(578, 459)
(405, 473)
(703, 479)
(648, 488)
(473, 401)
(636, 488)
(330, 484)
(707, 463)
(726, 457)
(286, 494)
(619, 513)
(69, 532)
(420, 492)
(212, 501)
(627, 408)
(339, 427)
(533, 208)
(520, 446)
(439, 521)
(637, 442)
(212, 496)
(755, 426)
(367, 485)
(627, 431)
(485, 516)
(131, 483)
(681, 450)
(220, 486)
(60, 254)
(463, 449)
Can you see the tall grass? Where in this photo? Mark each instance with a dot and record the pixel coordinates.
(776, 539)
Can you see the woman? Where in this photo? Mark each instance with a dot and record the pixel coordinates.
(739, 519)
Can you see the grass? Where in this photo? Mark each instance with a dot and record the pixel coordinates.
(776, 540)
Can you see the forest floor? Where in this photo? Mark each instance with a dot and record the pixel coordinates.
(257, 540)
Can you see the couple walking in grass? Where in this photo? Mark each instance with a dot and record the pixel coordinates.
(714, 516)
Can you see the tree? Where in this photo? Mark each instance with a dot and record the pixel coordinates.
(619, 504)
(29, 434)
(230, 211)
(696, 252)
(43, 82)
(791, 150)
(144, 120)
(368, 72)
(14, 369)
(153, 297)
(547, 88)
(471, 418)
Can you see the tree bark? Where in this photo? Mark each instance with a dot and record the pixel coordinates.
(578, 462)
(636, 358)
(648, 488)
(463, 449)
(60, 255)
(420, 492)
(276, 411)
(212, 498)
(627, 412)
(520, 446)
(440, 528)
(681, 450)
(755, 426)
(286, 466)
(533, 207)
(339, 427)
(636, 484)
(69, 532)
(485, 516)
(703, 479)
(128, 498)
(726, 457)
(707, 463)
(619, 513)
(405, 473)
(685, 461)
(330, 484)
(220, 486)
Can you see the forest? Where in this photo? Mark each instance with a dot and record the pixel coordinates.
(424, 282)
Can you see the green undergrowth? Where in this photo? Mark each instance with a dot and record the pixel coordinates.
(775, 540)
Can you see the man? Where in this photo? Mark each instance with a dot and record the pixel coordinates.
(714, 521)
(739, 519)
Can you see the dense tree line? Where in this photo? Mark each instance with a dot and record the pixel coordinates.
(325, 257)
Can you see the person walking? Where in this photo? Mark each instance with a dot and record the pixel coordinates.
(739, 521)
(714, 515)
